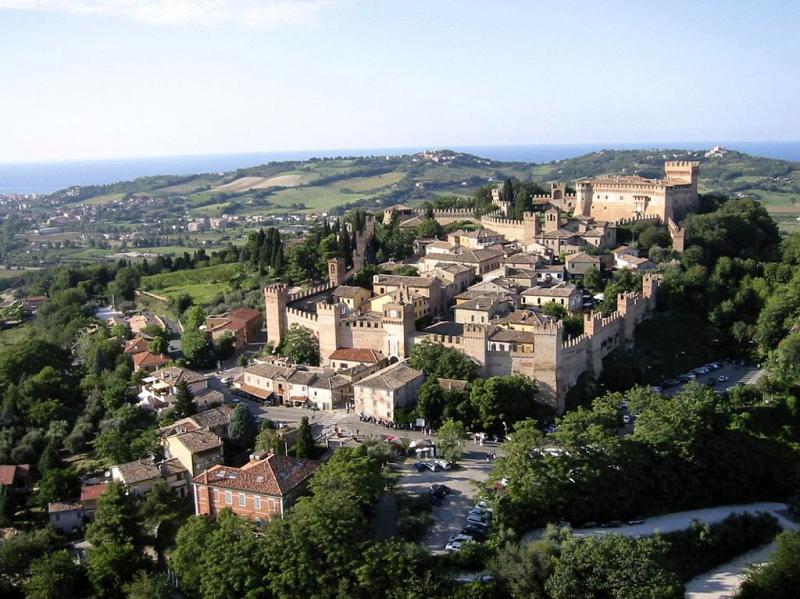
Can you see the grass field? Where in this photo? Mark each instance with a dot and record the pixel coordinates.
(202, 284)
(103, 199)
(11, 336)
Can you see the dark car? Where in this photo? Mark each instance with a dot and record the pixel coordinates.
(435, 500)
(438, 493)
(476, 532)
(612, 524)
(420, 467)
(670, 383)
(440, 488)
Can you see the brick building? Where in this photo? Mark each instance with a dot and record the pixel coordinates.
(261, 490)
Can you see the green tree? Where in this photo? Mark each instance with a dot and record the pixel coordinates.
(508, 190)
(304, 447)
(58, 484)
(436, 360)
(450, 438)
(241, 428)
(111, 565)
(780, 577)
(614, 567)
(184, 401)
(54, 576)
(525, 567)
(301, 346)
(503, 401)
(148, 586)
(555, 310)
(197, 347)
(116, 519)
(158, 345)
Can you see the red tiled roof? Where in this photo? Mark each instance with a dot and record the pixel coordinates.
(357, 354)
(245, 313)
(262, 393)
(136, 345)
(274, 475)
(147, 358)
(92, 492)
(7, 475)
(63, 507)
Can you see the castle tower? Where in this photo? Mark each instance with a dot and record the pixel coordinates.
(547, 347)
(329, 318)
(650, 283)
(399, 328)
(685, 170)
(583, 197)
(558, 190)
(475, 344)
(591, 323)
(552, 220)
(530, 227)
(276, 297)
(336, 271)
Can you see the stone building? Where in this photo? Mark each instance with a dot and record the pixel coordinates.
(614, 198)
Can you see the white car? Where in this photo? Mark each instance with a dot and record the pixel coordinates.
(626, 418)
(454, 545)
(459, 538)
(442, 464)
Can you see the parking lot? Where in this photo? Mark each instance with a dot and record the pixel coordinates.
(735, 374)
(448, 518)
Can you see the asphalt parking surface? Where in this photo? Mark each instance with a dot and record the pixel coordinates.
(448, 518)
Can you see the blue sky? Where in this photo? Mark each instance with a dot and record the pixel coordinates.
(118, 78)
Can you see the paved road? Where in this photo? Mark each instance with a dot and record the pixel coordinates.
(724, 581)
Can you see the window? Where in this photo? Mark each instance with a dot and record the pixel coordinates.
(257, 502)
(228, 498)
(242, 500)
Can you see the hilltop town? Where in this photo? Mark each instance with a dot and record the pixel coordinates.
(478, 351)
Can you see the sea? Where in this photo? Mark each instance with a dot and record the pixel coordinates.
(47, 177)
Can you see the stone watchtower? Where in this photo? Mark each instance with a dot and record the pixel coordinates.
(398, 327)
(276, 297)
(329, 318)
(547, 346)
(530, 227)
(336, 271)
(552, 220)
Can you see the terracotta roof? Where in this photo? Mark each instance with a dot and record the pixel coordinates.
(483, 304)
(63, 507)
(583, 257)
(8, 472)
(174, 375)
(92, 492)
(245, 313)
(138, 471)
(136, 345)
(511, 335)
(357, 354)
(348, 291)
(274, 475)
(146, 358)
(213, 418)
(560, 290)
(403, 280)
(393, 377)
(199, 440)
(256, 391)
(170, 467)
(523, 317)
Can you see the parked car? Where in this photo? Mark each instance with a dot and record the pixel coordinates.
(477, 533)
(714, 365)
(460, 538)
(590, 524)
(701, 370)
(612, 524)
(723, 378)
(440, 488)
(657, 388)
(636, 521)
(670, 383)
(626, 418)
(477, 520)
(443, 464)
(454, 546)
(420, 466)
(481, 512)
(435, 500)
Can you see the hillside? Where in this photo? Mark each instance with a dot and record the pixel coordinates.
(324, 184)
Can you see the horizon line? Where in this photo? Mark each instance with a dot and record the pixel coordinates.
(644, 145)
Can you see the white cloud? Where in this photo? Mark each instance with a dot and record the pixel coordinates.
(255, 13)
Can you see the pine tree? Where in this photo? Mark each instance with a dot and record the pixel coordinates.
(508, 191)
(184, 401)
(304, 447)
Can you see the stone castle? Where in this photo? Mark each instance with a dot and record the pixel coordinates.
(386, 322)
